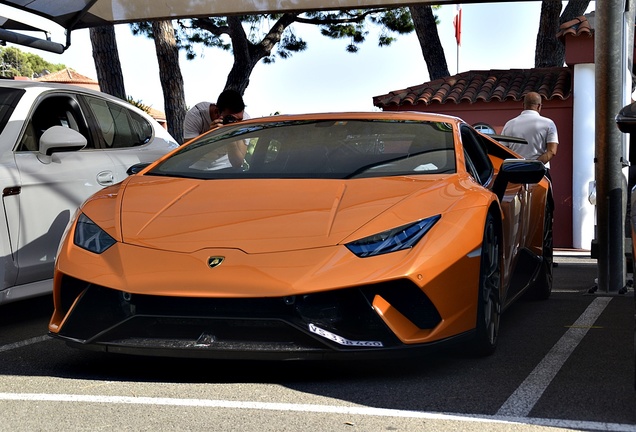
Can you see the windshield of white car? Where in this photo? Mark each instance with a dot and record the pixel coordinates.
(317, 149)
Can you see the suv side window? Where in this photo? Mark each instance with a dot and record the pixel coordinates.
(119, 127)
(56, 110)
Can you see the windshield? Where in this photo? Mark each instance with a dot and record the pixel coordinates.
(317, 149)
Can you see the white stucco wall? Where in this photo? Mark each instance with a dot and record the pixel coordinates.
(583, 151)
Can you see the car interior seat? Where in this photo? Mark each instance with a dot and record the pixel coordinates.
(52, 111)
(311, 159)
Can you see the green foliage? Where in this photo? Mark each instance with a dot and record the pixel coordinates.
(138, 104)
(187, 35)
(14, 62)
(275, 33)
(396, 20)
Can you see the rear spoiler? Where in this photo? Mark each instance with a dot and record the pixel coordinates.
(509, 139)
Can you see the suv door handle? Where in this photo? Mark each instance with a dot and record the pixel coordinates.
(12, 190)
(105, 178)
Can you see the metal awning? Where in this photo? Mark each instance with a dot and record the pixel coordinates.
(76, 14)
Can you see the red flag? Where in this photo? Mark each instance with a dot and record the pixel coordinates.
(457, 22)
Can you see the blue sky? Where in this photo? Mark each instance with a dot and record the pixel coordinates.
(325, 77)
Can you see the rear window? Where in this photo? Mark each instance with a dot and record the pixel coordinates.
(119, 127)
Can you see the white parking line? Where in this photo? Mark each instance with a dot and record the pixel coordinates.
(513, 411)
(24, 343)
(312, 408)
(521, 402)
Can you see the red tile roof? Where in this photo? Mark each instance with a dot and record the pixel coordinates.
(486, 86)
(581, 26)
(67, 76)
(160, 116)
(472, 86)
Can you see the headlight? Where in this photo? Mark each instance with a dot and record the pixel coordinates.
(393, 240)
(91, 237)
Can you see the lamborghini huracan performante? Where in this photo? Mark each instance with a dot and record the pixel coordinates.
(338, 235)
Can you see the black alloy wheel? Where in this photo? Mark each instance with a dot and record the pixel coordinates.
(542, 287)
(489, 300)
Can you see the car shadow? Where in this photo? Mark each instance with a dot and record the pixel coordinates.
(444, 381)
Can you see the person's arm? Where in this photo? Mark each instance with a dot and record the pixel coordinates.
(549, 153)
(236, 153)
(238, 149)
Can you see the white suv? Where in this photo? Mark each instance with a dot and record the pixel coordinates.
(58, 145)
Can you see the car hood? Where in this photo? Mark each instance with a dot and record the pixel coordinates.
(262, 215)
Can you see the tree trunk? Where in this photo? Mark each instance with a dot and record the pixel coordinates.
(426, 31)
(239, 77)
(170, 77)
(550, 52)
(106, 58)
(246, 54)
(574, 9)
(245, 59)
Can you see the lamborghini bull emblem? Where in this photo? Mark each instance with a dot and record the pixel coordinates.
(215, 261)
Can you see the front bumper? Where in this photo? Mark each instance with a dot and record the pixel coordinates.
(334, 324)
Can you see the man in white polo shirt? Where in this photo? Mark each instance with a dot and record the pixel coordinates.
(540, 132)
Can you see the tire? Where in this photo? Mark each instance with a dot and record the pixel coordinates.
(541, 289)
(489, 300)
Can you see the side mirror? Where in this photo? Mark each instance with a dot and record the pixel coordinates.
(60, 139)
(626, 122)
(626, 118)
(518, 171)
(522, 170)
(136, 168)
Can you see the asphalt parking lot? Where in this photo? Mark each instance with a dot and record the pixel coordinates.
(563, 364)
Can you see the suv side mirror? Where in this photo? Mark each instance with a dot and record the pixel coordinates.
(60, 139)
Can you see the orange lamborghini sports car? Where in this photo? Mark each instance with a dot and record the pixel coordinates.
(309, 237)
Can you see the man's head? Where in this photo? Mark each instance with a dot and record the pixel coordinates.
(230, 104)
(532, 101)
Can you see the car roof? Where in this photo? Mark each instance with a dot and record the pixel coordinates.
(359, 115)
(29, 84)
